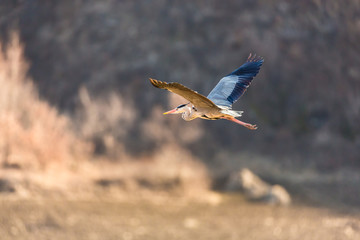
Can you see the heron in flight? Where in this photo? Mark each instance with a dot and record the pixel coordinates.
(217, 105)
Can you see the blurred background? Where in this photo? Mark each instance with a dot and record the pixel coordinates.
(80, 120)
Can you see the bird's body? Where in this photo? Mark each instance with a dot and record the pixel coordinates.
(217, 105)
(191, 112)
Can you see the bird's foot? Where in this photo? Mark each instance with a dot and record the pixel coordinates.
(250, 126)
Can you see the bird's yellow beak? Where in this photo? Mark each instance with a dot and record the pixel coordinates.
(171, 111)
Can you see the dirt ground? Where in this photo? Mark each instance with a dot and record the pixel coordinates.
(232, 218)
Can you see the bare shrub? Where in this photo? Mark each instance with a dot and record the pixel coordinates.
(104, 121)
(33, 134)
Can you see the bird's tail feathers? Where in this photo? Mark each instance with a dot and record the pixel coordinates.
(232, 112)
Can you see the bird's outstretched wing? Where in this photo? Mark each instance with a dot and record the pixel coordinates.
(195, 98)
(231, 87)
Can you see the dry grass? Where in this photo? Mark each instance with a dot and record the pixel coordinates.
(33, 134)
(138, 220)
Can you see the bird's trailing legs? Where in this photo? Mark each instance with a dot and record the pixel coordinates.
(247, 125)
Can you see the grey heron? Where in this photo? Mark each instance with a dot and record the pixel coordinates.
(218, 104)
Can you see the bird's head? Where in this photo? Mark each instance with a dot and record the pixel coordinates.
(179, 109)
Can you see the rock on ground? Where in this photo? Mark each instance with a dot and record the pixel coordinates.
(256, 189)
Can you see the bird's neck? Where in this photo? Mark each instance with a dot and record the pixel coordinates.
(188, 114)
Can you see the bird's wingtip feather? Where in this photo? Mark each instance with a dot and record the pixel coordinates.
(254, 58)
(158, 84)
(154, 82)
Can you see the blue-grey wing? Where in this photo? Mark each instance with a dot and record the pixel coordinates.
(231, 87)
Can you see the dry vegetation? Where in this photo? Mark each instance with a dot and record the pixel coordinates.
(33, 134)
(40, 147)
(38, 151)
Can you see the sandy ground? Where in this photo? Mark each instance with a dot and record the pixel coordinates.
(232, 218)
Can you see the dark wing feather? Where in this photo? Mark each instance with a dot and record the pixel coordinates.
(195, 98)
(231, 87)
